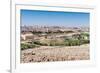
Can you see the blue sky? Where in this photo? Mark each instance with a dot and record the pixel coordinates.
(53, 18)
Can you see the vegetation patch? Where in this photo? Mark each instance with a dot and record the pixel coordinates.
(75, 40)
(28, 46)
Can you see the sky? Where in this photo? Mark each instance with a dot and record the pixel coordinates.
(54, 18)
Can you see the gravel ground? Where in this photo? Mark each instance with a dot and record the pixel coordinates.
(50, 53)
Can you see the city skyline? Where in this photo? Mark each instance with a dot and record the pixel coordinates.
(54, 18)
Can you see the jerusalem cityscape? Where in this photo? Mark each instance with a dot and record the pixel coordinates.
(54, 42)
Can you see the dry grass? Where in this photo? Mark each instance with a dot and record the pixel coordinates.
(51, 53)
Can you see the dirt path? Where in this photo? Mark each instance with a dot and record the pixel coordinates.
(48, 53)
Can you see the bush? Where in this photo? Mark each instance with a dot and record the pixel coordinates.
(24, 46)
(72, 42)
(27, 46)
(51, 44)
(40, 43)
(85, 34)
(37, 42)
(85, 41)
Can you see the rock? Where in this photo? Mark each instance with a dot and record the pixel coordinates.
(33, 53)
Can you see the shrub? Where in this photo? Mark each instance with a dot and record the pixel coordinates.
(72, 42)
(40, 43)
(37, 42)
(85, 41)
(27, 46)
(24, 46)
